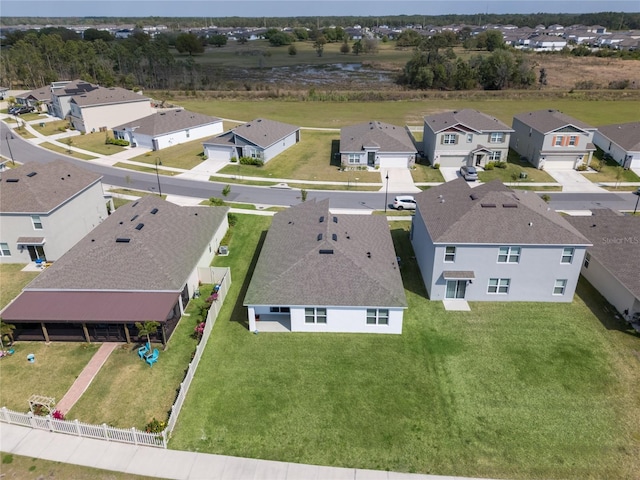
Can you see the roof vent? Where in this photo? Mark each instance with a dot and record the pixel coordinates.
(134, 217)
(139, 226)
(13, 180)
(322, 219)
(154, 211)
(334, 237)
(488, 205)
(368, 254)
(319, 236)
(473, 196)
(531, 224)
(32, 174)
(122, 240)
(134, 204)
(335, 219)
(326, 251)
(509, 205)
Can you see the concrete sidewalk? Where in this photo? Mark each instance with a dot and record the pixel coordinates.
(174, 464)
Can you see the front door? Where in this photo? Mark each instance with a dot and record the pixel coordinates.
(36, 252)
(478, 160)
(456, 288)
(371, 159)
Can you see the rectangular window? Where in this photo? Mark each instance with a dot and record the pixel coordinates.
(567, 255)
(188, 134)
(379, 316)
(499, 285)
(496, 137)
(354, 158)
(37, 223)
(450, 139)
(573, 140)
(587, 259)
(559, 287)
(450, 254)
(469, 137)
(495, 156)
(509, 255)
(557, 141)
(279, 309)
(4, 250)
(315, 315)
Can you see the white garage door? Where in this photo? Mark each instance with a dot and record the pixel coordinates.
(559, 164)
(221, 154)
(452, 161)
(394, 162)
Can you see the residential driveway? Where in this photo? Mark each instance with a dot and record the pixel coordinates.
(400, 180)
(573, 181)
(450, 173)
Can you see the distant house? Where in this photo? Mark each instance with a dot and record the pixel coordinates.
(612, 263)
(46, 208)
(168, 128)
(465, 137)
(324, 272)
(491, 243)
(376, 144)
(40, 98)
(547, 43)
(621, 141)
(550, 139)
(3, 92)
(261, 138)
(140, 264)
(104, 108)
(62, 92)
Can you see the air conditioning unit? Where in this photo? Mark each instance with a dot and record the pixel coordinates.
(223, 250)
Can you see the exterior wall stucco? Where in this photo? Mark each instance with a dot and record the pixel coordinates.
(280, 146)
(173, 138)
(423, 249)
(616, 151)
(92, 118)
(610, 288)
(207, 255)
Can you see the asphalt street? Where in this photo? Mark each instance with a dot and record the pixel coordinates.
(23, 151)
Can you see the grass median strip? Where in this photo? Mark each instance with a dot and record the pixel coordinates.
(66, 151)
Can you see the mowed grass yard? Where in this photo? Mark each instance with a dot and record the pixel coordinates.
(508, 390)
(12, 281)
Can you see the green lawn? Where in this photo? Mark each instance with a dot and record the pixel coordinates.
(185, 156)
(515, 166)
(52, 128)
(138, 168)
(610, 171)
(12, 281)
(56, 367)
(94, 142)
(508, 390)
(66, 151)
(426, 173)
(24, 133)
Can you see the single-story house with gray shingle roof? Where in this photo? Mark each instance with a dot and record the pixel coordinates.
(324, 272)
(621, 141)
(464, 137)
(40, 97)
(46, 208)
(167, 128)
(261, 138)
(376, 144)
(140, 264)
(490, 243)
(612, 263)
(549, 139)
(104, 108)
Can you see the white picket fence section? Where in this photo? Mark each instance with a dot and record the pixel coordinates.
(137, 437)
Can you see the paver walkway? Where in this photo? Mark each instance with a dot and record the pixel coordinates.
(86, 377)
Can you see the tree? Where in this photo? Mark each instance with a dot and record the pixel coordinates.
(93, 34)
(293, 50)
(303, 195)
(344, 48)
(226, 190)
(6, 330)
(218, 40)
(543, 77)
(190, 43)
(357, 47)
(147, 329)
(408, 38)
(490, 40)
(319, 45)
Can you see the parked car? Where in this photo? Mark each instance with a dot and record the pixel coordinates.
(21, 110)
(404, 201)
(469, 173)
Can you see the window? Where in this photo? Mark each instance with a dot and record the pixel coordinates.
(37, 223)
(354, 158)
(495, 156)
(567, 255)
(496, 137)
(573, 140)
(557, 141)
(450, 139)
(188, 134)
(587, 259)
(469, 137)
(4, 250)
(499, 285)
(379, 316)
(509, 255)
(450, 254)
(279, 309)
(315, 315)
(559, 287)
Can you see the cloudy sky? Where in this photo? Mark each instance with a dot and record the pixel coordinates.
(287, 8)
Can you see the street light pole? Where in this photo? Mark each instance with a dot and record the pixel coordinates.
(158, 162)
(386, 192)
(7, 137)
(637, 194)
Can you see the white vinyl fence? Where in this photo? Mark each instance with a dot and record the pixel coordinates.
(222, 277)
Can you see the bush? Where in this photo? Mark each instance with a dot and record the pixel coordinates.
(251, 161)
(217, 202)
(234, 159)
(116, 141)
(501, 164)
(490, 166)
(155, 426)
(582, 167)
(233, 219)
(436, 166)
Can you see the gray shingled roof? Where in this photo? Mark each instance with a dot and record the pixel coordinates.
(107, 96)
(159, 256)
(75, 87)
(471, 119)
(616, 244)
(492, 214)
(53, 184)
(40, 94)
(361, 270)
(385, 137)
(168, 121)
(547, 121)
(627, 135)
(260, 132)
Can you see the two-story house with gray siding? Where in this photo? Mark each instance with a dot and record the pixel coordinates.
(491, 243)
(62, 92)
(261, 138)
(45, 209)
(464, 137)
(549, 139)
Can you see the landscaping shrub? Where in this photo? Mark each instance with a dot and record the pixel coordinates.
(500, 164)
(582, 167)
(155, 426)
(233, 219)
(436, 166)
(116, 141)
(490, 166)
(251, 161)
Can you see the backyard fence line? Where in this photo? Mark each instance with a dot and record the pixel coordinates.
(134, 436)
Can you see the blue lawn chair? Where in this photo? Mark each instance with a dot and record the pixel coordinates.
(144, 350)
(152, 357)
